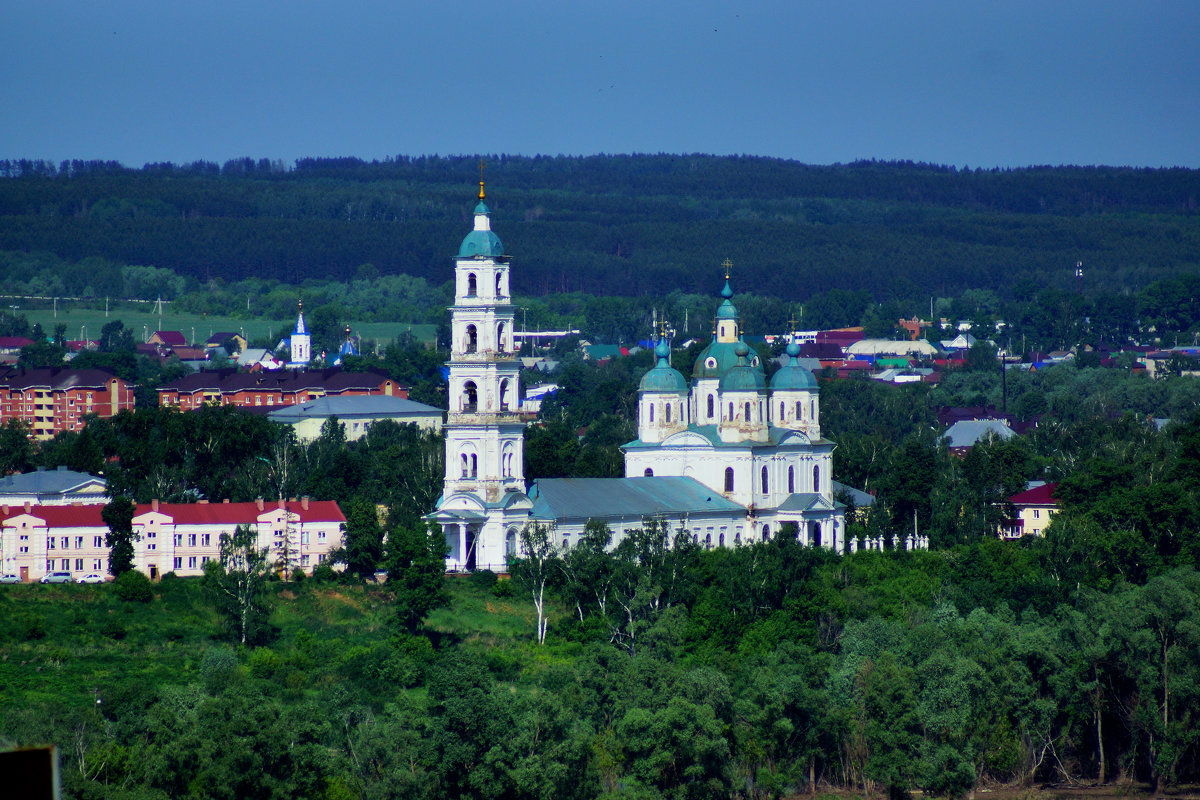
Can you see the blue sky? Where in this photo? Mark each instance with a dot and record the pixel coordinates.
(967, 83)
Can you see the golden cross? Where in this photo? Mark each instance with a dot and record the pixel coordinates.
(728, 265)
(481, 179)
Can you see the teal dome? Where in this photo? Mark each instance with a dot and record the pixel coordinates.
(742, 377)
(720, 357)
(481, 244)
(663, 377)
(792, 377)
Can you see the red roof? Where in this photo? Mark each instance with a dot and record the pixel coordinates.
(14, 342)
(1038, 496)
(172, 338)
(85, 516)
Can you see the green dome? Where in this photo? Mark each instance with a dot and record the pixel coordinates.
(663, 377)
(793, 377)
(743, 377)
(481, 244)
(720, 357)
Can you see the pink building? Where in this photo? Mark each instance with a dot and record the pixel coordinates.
(173, 537)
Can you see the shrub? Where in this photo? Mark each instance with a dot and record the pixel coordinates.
(323, 573)
(112, 627)
(298, 575)
(483, 578)
(133, 586)
(504, 589)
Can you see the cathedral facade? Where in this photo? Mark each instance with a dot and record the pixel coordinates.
(725, 456)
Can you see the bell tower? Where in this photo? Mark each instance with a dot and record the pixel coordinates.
(484, 436)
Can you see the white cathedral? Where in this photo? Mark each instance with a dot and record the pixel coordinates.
(727, 458)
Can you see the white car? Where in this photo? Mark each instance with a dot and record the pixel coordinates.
(10, 579)
(93, 577)
(57, 577)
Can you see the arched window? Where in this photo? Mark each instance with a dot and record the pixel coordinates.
(499, 292)
(791, 480)
(474, 466)
(466, 466)
(729, 479)
(814, 534)
(649, 473)
(747, 417)
(781, 411)
(504, 395)
(708, 541)
(816, 479)
(471, 284)
(652, 412)
(500, 338)
(472, 339)
(470, 397)
(710, 406)
(721, 540)
(731, 412)
(668, 412)
(766, 532)
(762, 413)
(799, 411)
(814, 410)
(764, 479)
(510, 543)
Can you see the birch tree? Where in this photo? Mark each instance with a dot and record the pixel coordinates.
(238, 582)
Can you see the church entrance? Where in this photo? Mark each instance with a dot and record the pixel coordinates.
(470, 562)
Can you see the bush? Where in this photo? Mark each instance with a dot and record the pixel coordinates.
(133, 586)
(483, 578)
(113, 629)
(504, 589)
(298, 575)
(323, 573)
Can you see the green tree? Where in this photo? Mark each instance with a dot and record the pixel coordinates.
(237, 584)
(16, 448)
(535, 569)
(118, 516)
(417, 568)
(362, 551)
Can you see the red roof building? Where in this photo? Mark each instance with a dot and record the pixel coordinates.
(56, 399)
(249, 389)
(1034, 508)
(173, 537)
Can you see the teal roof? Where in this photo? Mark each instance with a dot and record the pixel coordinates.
(792, 376)
(663, 377)
(774, 437)
(742, 377)
(600, 498)
(480, 244)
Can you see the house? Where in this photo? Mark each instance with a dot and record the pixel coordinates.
(47, 487)
(257, 358)
(171, 537)
(357, 413)
(168, 338)
(219, 340)
(56, 399)
(10, 345)
(965, 434)
(1033, 509)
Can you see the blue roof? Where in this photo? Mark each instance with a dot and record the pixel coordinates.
(588, 498)
(46, 481)
(367, 405)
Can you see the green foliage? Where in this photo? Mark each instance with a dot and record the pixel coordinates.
(133, 586)
(416, 559)
(237, 584)
(118, 516)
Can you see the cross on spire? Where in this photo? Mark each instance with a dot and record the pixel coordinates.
(481, 179)
(728, 265)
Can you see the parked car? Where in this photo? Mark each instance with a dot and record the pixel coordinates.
(57, 577)
(10, 579)
(94, 577)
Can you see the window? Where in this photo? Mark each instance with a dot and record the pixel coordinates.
(817, 479)
(471, 284)
(799, 412)
(98, 541)
(710, 406)
(652, 412)
(781, 411)
(320, 537)
(204, 560)
(649, 473)
(668, 412)
(766, 532)
(178, 564)
(66, 543)
(49, 543)
(79, 564)
(303, 537)
(729, 479)
(731, 412)
(1035, 513)
(96, 563)
(791, 480)
(79, 544)
(321, 558)
(191, 562)
(747, 417)
(304, 560)
(205, 539)
(472, 339)
(764, 479)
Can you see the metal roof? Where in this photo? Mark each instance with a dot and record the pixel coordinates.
(353, 406)
(587, 498)
(45, 482)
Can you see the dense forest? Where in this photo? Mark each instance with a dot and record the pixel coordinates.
(619, 225)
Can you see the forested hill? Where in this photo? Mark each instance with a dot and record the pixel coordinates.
(622, 225)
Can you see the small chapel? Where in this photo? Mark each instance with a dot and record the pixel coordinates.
(724, 456)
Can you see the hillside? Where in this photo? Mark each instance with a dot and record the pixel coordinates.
(620, 225)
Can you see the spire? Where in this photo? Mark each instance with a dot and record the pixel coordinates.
(300, 327)
(481, 195)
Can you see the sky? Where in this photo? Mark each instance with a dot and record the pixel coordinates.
(962, 82)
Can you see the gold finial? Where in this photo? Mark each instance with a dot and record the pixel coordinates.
(728, 265)
(481, 180)
(792, 321)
